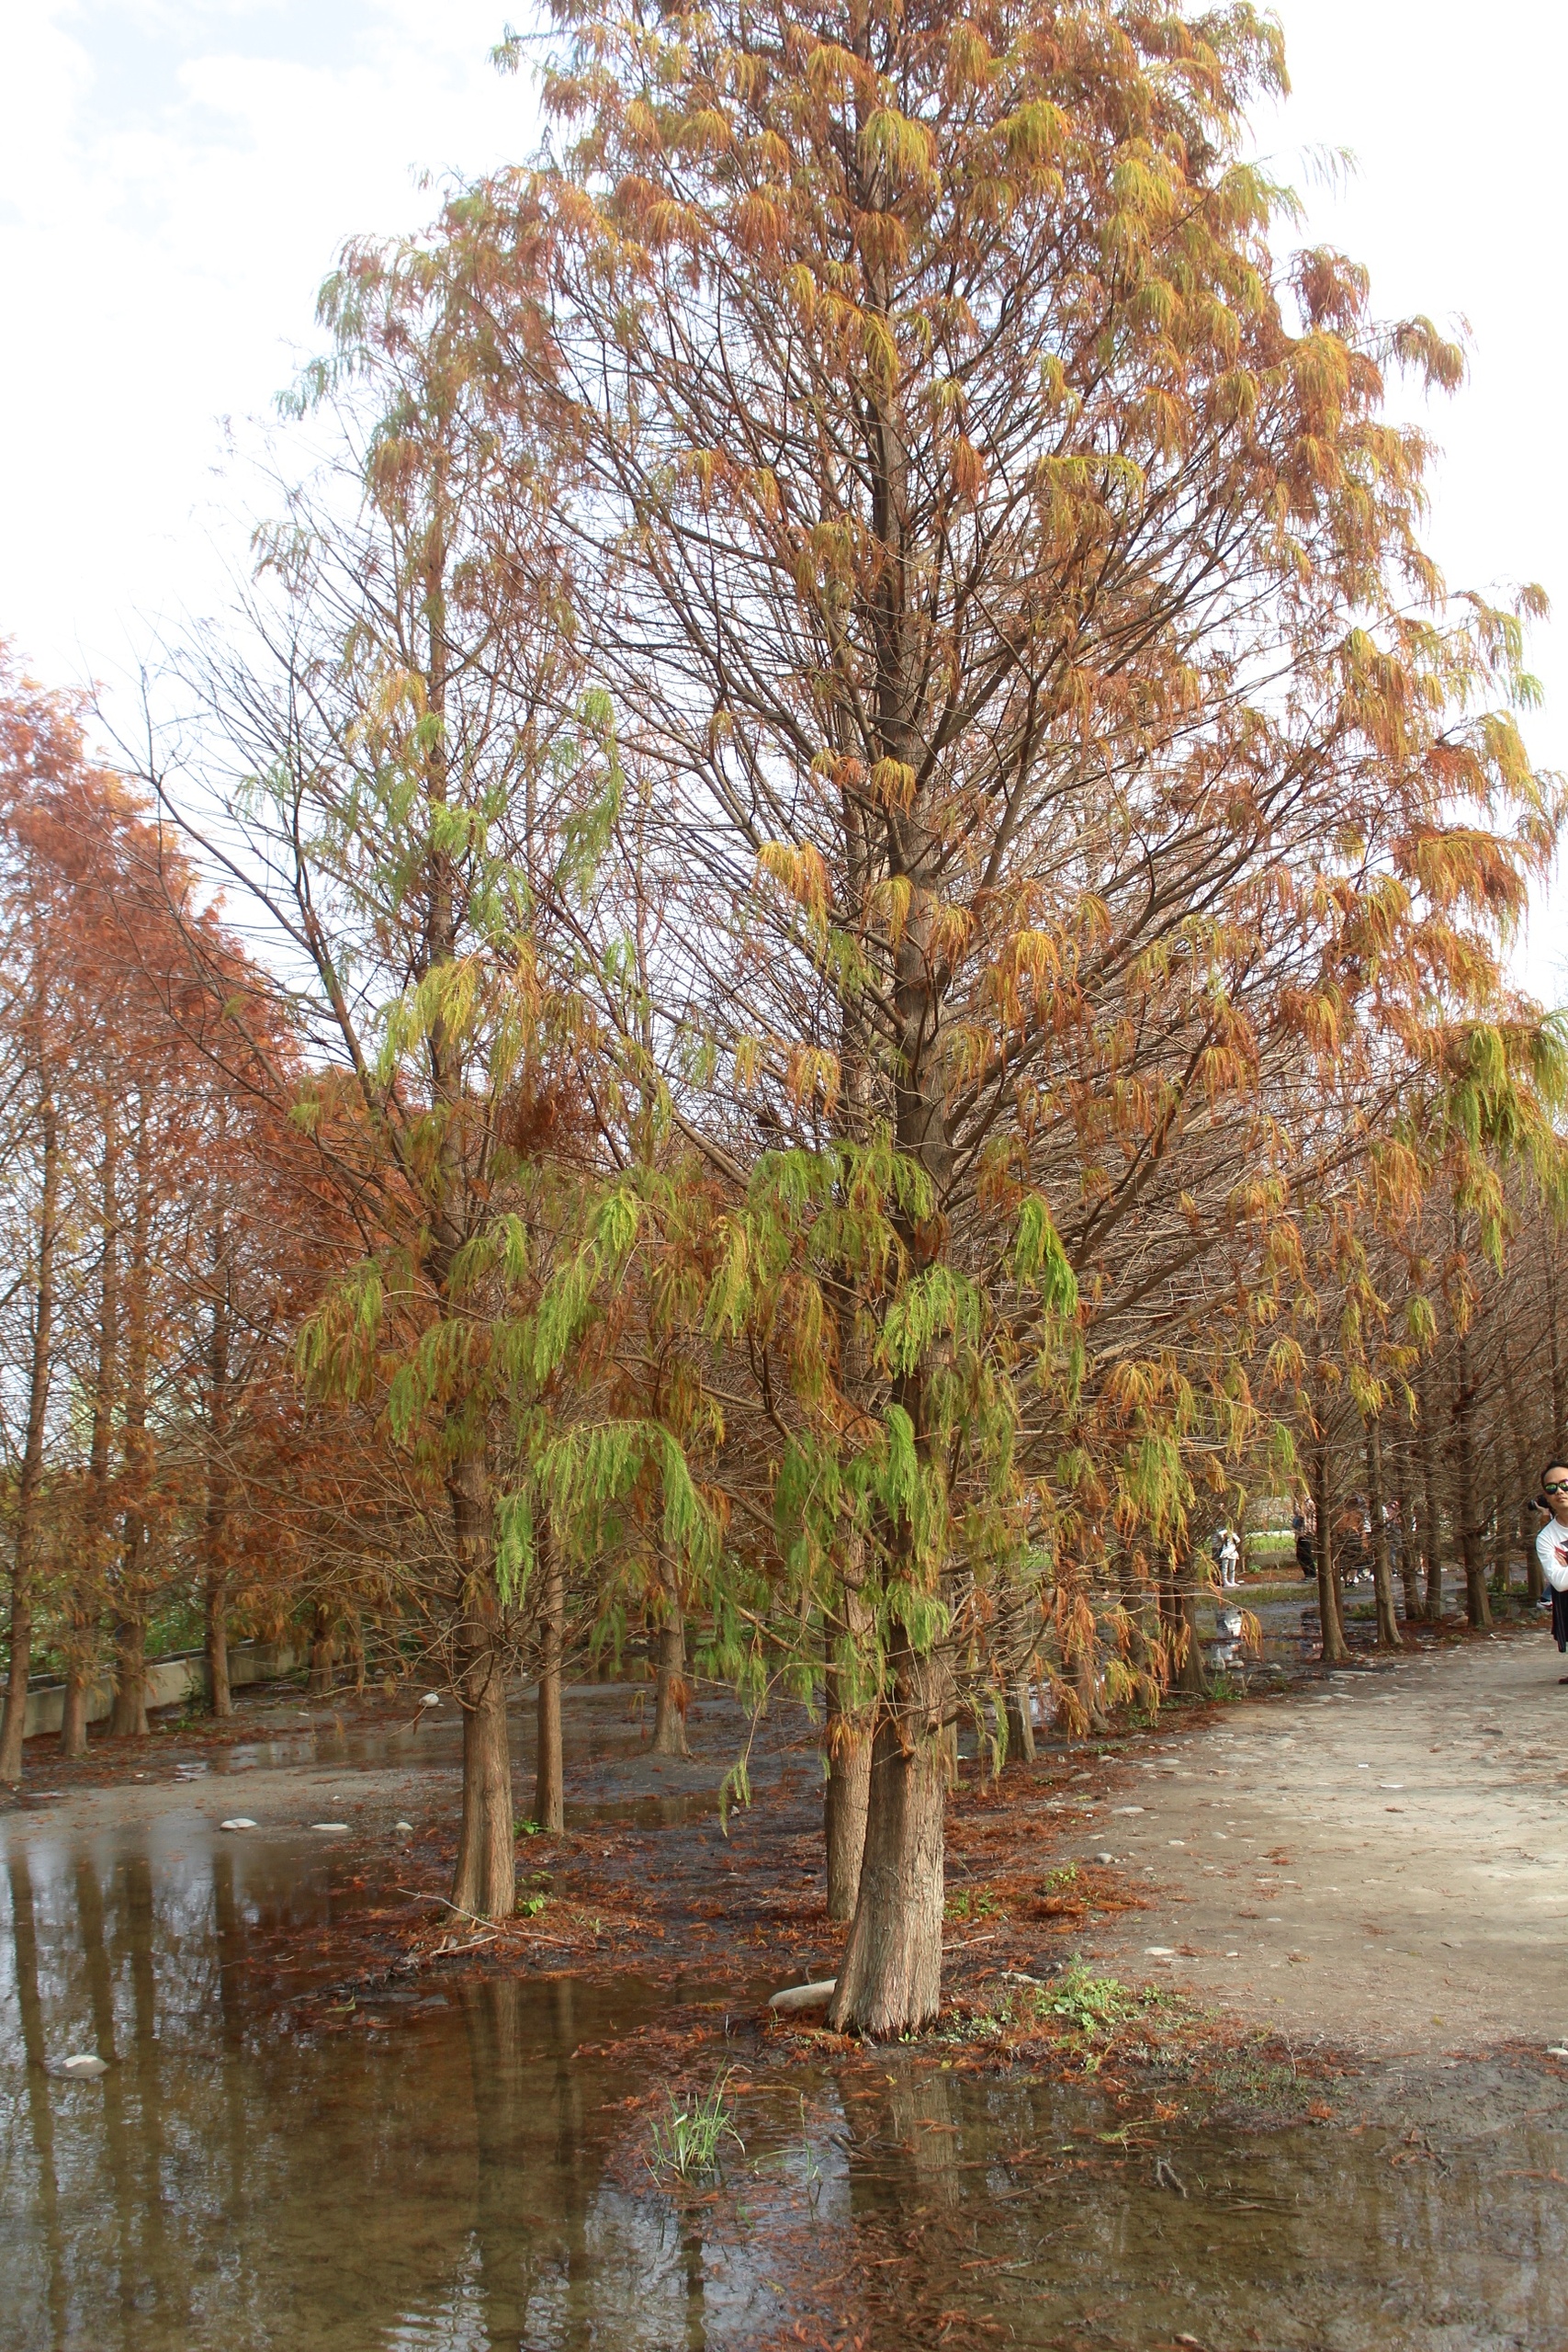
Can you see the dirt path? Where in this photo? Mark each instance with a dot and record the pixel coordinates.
(1384, 1859)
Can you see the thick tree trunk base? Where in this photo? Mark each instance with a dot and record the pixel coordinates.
(890, 1977)
(1019, 1723)
(484, 1882)
(73, 1718)
(219, 1698)
(14, 1720)
(673, 1695)
(843, 1810)
(129, 1719)
(1332, 1648)
(1192, 1677)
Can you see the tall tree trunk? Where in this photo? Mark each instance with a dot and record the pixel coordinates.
(1477, 1608)
(1018, 1628)
(671, 1692)
(14, 1719)
(1020, 1719)
(484, 1882)
(214, 1535)
(323, 1677)
(1524, 1481)
(847, 1753)
(550, 1789)
(890, 1976)
(83, 1596)
(128, 1720)
(1334, 1649)
(1554, 1347)
(1382, 1583)
(1431, 1525)
(1409, 1564)
(1191, 1676)
(847, 1738)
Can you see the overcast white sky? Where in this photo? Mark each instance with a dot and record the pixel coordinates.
(176, 174)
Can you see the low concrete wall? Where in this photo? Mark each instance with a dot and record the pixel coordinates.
(169, 1680)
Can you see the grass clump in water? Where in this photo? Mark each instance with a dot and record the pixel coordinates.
(686, 2139)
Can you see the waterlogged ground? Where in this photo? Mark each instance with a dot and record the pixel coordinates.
(286, 2153)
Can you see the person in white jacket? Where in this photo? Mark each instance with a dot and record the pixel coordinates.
(1551, 1547)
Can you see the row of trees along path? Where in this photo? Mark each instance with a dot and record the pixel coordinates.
(881, 865)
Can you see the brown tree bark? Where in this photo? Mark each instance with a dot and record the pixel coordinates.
(1477, 1608)
(484, 1879)
(484, 1882)
(890, 1976)
(1333, 1647)
(1018, 1631)
(672, 1693)
(322, 1676)
(1382, 1582)
(1525, 1479)
(1020, 1721)
(129, 1719)
(1431, 1524)
(1192, 1677)
(1409, 1567)
(82, 1598)
(1554, 1345)
(847, 1754)
(14, 1719)
(215, 1533)
(549, 1788)
(847, 1742)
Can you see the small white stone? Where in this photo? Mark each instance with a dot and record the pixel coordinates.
(403, 1829)
(1126, 1808)
(336, 1827)
(241, 1821)
(1159, 1952)
(83, 2066)
(430, 1699)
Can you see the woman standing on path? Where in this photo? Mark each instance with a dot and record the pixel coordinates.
(1551, 1547)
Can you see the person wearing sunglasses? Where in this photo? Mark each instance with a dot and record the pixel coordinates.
(1551, 1547)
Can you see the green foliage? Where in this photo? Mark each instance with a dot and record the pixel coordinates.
(1090, 2005)
(686, 2141)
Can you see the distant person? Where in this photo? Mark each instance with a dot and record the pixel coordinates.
(1307, 1558)
(1230, 1555)
(1551, 1548)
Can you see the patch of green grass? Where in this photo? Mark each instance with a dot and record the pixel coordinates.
(686, 2140)
(530, 1905)
(972, 1902)
(1089, 2003)
(1055, 1881)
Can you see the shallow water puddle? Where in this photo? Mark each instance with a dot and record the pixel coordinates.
(457, 2166)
